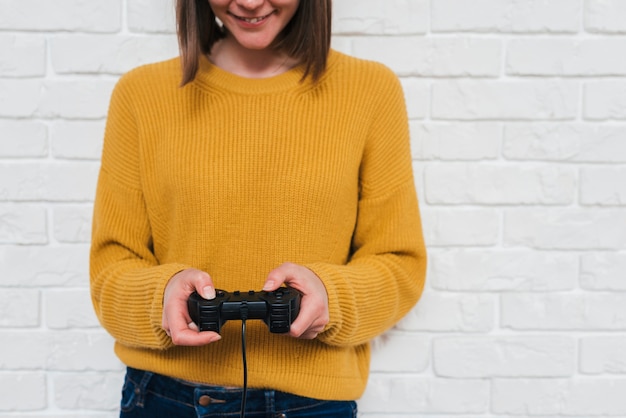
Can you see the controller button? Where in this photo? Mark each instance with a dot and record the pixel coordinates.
(280, 326)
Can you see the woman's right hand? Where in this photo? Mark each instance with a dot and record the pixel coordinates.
(176, 320)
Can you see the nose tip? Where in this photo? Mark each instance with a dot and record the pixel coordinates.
(250, 4)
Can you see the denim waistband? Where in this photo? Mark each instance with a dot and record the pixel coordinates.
(144, 387)
(183, 391)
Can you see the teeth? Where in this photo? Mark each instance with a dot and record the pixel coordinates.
(252, 20)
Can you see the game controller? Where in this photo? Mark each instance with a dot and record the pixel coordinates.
(278, 309)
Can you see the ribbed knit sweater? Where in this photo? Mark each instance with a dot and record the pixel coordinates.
(235, 176)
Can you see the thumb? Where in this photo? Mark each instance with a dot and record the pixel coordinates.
(275, 279)
(207, 292)
(203, 284)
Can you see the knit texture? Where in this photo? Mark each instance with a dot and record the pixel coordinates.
(236, 176)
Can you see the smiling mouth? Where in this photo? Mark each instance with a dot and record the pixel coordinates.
(252, 19)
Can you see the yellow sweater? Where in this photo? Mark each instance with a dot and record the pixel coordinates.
(235, 176)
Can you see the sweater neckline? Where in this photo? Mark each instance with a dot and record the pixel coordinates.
(211, 77)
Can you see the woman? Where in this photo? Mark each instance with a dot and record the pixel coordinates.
(276, 161)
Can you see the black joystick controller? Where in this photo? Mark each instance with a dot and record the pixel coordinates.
(278, 309)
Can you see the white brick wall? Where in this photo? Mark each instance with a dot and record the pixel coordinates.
(518, 122)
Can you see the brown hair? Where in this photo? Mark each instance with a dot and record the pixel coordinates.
(306, 37)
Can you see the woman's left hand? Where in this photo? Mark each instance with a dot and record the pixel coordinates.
(313, 316)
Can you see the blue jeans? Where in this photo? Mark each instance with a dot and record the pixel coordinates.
(150, 395)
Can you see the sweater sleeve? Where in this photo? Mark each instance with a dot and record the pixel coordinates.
(127, 282)
(385, 275)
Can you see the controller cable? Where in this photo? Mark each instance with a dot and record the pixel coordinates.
(244, 316)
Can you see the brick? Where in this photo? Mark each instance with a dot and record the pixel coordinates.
(19, 98)
(54, 266)
(72, 224)
(418, 178)
(460, 227)
(89, 391)
(603, 271)
(19, 308)
(605, 16)
(417, 93)
(566, 57)
(605, 100)
(342, 44)
(58, 351)
(433, 57)
(23, 139)
(115, 54)
(571, 142)
(435, 415)
(391, 415)
(518, 356)
(598, 186)
(27, 391)
(92, 415)
(440, 311)
(514, 100)
(588, 311)
(400, 352)
(577, 397)
(75, 99)
(399, 394)
(151, 16)
(373, 17)
(565, 229)
(69, 309)
(455, 141)
(51, 181)
(603, 355)
(22, 224)
(506, 16)
(77, 139)
(502, 270)
(467, 227)
(507, 184)
(61, 15)
(22, 55)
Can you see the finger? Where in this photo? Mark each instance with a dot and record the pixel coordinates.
(277, 277)
(207, 292)
(302, 328)
(175, 316)
(309, 335)
(202, 283)
(308, 320)
(179, 327)
(183, 331)
(193, 338)
(313, 317)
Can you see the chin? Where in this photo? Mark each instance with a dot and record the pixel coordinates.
(255, 46)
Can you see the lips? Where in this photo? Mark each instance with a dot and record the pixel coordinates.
(252, 20)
